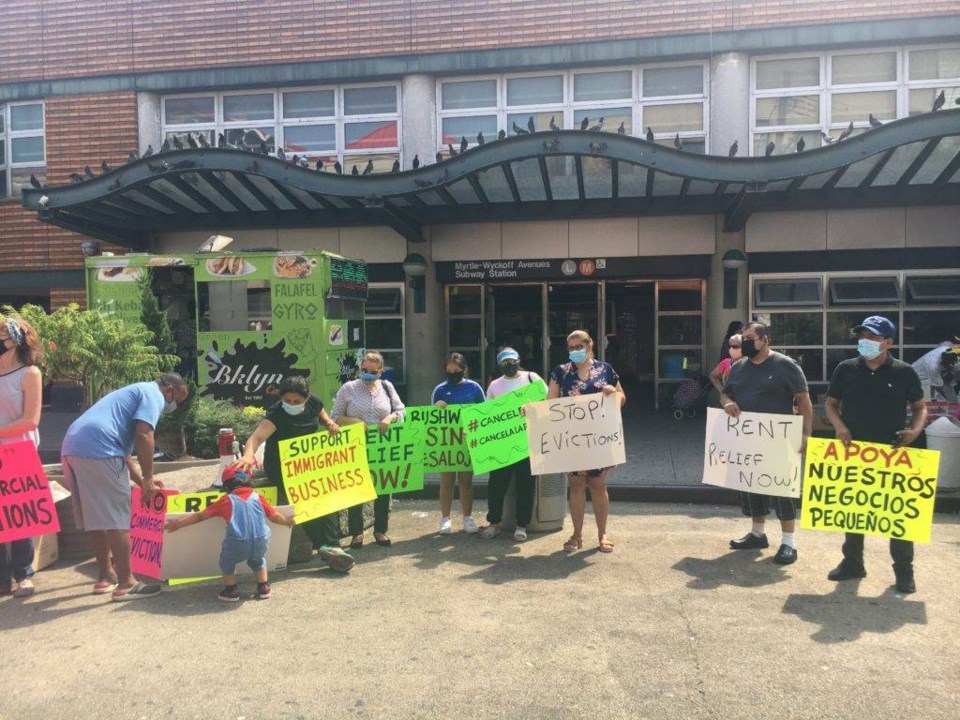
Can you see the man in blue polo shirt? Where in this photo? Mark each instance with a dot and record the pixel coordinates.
(867, 400)
(98, 466)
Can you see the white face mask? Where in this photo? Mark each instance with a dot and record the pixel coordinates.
(293, 409)
(868, 349)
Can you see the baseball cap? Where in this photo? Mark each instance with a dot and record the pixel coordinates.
(878, 325)
(507, 354)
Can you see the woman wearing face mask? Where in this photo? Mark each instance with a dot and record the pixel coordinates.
(456, 390)
(20, 390)
(373, 401)
(718, 376)
(585, 375)
(513, 378)
(298, 412)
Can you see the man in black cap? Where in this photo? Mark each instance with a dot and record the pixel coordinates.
(867, 400)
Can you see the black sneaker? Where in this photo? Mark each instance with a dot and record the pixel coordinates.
(847, 570)
(263, 591)
(230, 593)
(786, 555)
(750, 542)
(905, 583)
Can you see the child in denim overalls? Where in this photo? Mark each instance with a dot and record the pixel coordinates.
(246, 513)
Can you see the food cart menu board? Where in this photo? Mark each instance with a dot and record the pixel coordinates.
(348, 279)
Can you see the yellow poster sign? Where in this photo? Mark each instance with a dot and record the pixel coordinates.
(324, 473)
(869, 488)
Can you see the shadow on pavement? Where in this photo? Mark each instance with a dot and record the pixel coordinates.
(843, 616)
(738, 568)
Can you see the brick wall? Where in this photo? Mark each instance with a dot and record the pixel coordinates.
(61, 297)
(81, 130)
(70, 38)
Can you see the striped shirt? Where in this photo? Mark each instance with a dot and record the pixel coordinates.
(354, 399)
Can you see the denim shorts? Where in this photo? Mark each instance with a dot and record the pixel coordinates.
(238, 550)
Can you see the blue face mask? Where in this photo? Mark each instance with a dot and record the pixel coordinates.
(293, 409)
(868, 349)
(578, 356)
(369, 377)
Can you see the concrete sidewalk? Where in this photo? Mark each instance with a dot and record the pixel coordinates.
(672, 624)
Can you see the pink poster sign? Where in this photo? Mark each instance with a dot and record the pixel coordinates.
(146, 532)
(26, 505)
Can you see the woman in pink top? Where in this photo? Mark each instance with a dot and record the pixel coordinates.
(21, 387)
(718, 375)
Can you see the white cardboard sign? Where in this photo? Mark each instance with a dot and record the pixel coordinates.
(573, 434)
(755, 452)
(194, 551)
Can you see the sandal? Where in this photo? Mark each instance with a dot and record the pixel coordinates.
(574, 543)
(357, 542)
(606, 546)
(520, 535)
(102, 587)
(383, 540)
(490, 532)
(137, 592)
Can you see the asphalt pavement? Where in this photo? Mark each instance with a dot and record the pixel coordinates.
(670, 625)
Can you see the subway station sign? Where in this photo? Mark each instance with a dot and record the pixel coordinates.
(573, 268)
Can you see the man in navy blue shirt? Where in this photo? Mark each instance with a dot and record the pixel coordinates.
(867, 400)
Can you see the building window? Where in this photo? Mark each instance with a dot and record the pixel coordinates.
(22, 147)
(803, 96)
(923, 305)
(669, 100)
(355, 126)
(385, 330)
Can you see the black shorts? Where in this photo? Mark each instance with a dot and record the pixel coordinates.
(755, 505)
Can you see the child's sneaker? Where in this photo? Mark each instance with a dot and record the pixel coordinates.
(263, 591)
(469, 525)
(230, 593)
(446, 527)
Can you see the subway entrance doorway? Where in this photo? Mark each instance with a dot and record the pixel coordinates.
(651, 331)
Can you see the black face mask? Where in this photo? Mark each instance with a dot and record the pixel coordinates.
(511, 369)
(454, 377)
(4, 350)
(749, 348)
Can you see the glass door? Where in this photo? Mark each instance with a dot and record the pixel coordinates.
(572, 306)
(516, 315)
(465, 332)
(680, 308)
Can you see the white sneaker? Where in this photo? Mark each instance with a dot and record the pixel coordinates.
(446, 526)
(469, 525)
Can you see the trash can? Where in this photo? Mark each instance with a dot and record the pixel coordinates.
(943, 434)
(549, 504)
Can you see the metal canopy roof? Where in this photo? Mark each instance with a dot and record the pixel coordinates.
(566, 174)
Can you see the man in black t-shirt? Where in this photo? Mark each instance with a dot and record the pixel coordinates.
(867, 400)
(768, 382)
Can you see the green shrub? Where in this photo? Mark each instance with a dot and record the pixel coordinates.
(208, 417)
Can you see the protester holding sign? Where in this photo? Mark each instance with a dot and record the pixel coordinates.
(21, 387)
(374, 401)
(297, 413)
(867, 401)
(456, 390)
(247, 534)
(98, 466)
(767, 382)
(508, 360)
(584, 375)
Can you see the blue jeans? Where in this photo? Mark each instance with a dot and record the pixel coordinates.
(16, 561)
(237, 550)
